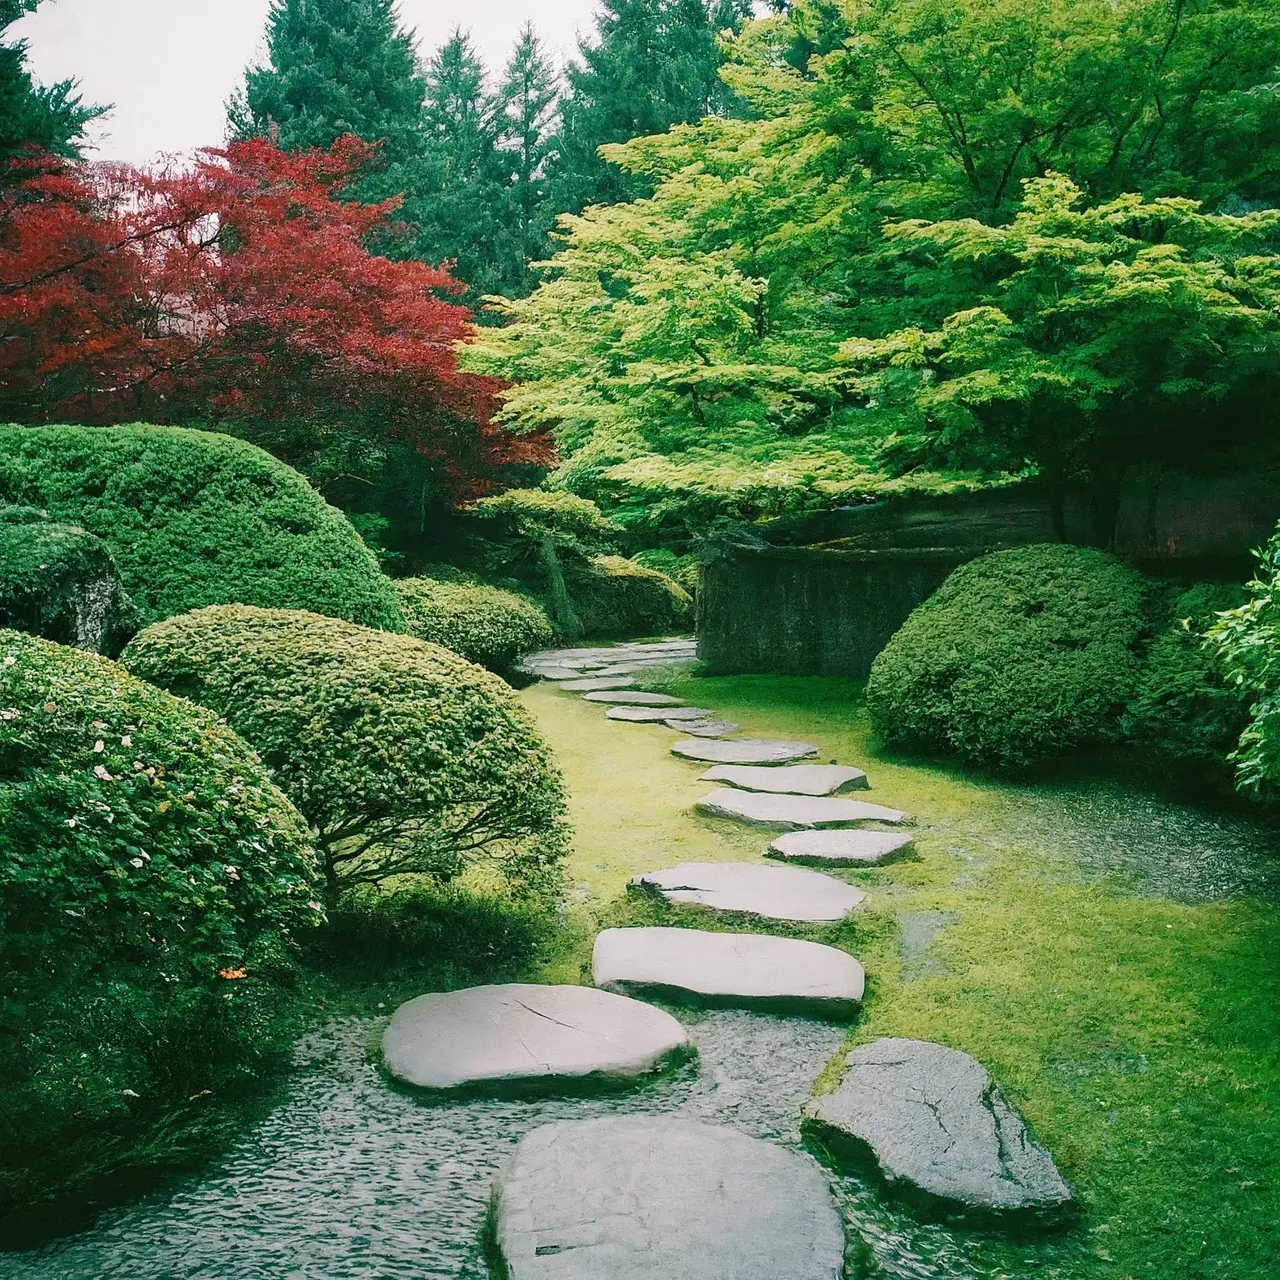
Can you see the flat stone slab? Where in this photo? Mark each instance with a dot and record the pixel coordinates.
(594, 683)
(705, 728)
(793, 813)
(777, 893)
(842, 848)
(521, 1034)
(792, 779)
(937, 1127)
(633, 698)
(554, 673)
(659, 715)
(737, 970)
(659, 1198)
(744, 751)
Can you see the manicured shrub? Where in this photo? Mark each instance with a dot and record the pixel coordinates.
(195, 518)
(681, 569)
(1185, 710)
(617, 599)
(1020, 656)
(152, 880)
(483, 624)
(60, 582)
(405, 758)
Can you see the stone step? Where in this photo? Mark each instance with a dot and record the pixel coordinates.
(793, 813)
(735, 970)
(794, 779)
(632, 698)
(514, 1035)
(659, 1198)
(744, 751)
(849, 848)
(595, 683)
(659, 715)
(776, 893)
(705, 728)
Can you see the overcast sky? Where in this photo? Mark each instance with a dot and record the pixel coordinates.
(167, 66)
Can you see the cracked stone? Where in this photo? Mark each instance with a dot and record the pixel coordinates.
(777, 893)
(659, 1198)
(743, 751)
(737, 970)
(793, 813)
(633, 698)
(939, 1130)
(856, 848)
(659, 715)
(523, 1034)
(793, 779)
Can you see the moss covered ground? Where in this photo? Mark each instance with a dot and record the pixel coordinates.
(1039, 931)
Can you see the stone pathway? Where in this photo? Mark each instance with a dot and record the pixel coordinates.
(849, 848)
(776, 893)
(791, 780)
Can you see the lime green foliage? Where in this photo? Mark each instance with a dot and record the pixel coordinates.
(405, 758)
(143, 851)
(1184, 708)
(196, 518)
(1020, 656)
(1136, 1034)
(617, 598)
(61, 582)
(682, 569)
(483, 624)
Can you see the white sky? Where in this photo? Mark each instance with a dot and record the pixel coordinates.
(168, 66)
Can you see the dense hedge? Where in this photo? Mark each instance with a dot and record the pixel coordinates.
(404, 757)
(60, 582)
(1019, 656)
(483, 624)
(617, 599)
(143, 853)
(196, 518)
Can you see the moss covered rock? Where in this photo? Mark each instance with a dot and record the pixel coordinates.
(1020, 656)
(405, 758)
(152, 879)
(195, 518)
(615, 598)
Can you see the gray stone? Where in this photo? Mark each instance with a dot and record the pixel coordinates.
(553, 673)
(842, 848)
(633, 698)
(659, 1198)
(594, 683)
(659, 715)
(744, 751)
(793, 813)
(524, 1034)
(938, 1128)
(705, 728)
(777, 893)
(794, 779)
(738, 970)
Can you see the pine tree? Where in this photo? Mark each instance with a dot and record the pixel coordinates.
(653, 64)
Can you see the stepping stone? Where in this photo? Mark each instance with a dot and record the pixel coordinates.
(842, 848)
(735, 970)
(659, 1198)
(595, 683)
(669, 715)
(554, 673)
(778, 893)
(633, 698)
(938, 1128)
(705, 728)
(524, 1034)
(793, 813)
(744, 751)
(794, 780)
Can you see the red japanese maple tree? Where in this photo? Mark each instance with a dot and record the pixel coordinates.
(238, 291)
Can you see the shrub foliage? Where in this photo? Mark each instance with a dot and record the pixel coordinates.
(196, 518)
(151, 880)
(616, 598)
(1020, 656)
(404, 757)
(483, 624)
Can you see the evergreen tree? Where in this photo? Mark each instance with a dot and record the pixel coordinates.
(653, 64)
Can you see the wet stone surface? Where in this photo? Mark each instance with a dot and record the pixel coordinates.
(776, 893)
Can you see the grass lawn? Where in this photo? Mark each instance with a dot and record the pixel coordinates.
(1139, 1035)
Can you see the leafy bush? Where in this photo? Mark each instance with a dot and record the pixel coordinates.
(1184, 709)
(681, 569)
(483, 624)
(196, 518)
(61, 582)
(404, 757)
(151, 880)
(1019, 656)
(616, 599)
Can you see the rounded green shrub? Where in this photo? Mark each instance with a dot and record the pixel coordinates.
(1020, 656)
(404, 757)
(483, 624)
(616, 599)
(195, 518)
(152, 880)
